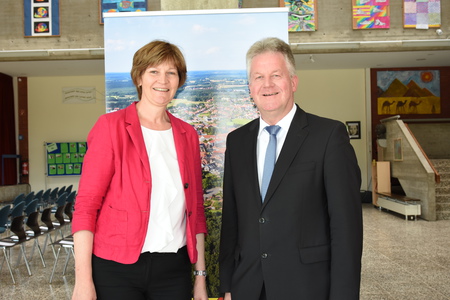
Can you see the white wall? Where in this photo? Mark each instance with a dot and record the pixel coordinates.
(336, 94)
(50, 120)
(339, 95)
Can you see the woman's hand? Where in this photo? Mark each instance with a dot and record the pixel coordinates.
(200, 288)
(84, 291)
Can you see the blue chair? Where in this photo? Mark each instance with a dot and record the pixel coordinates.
(54, 195)
(29, 198)
(45, 199)
(4, 217)
(69, 189)
(59, 213)
(17, 209)
(39, 195)
(62, 190)
(19, 198)
(68, 209)
(31, 207)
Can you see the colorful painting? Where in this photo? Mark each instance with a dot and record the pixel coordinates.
(121, 6)
(371, 14)
(421, 14)
(408, 92)
(41, 18)
(302, 14)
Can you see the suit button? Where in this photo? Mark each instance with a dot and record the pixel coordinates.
(186, 185)
(262, 220)
(264, 255)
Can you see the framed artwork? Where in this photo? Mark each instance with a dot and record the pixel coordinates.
(398, 151)
(41, 18)
(302, 14)
(409, 92)
(354, 129)
(121, 6)
(421, 14)
(370, 14)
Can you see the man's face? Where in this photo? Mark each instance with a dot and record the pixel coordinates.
(271, 85)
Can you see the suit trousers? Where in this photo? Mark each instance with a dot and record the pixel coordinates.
(155, 276)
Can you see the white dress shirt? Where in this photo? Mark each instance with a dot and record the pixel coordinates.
(264, 136)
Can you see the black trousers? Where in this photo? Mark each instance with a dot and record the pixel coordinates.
(155, 276)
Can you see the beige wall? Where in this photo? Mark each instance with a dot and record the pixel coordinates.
(337, 94)
(340, 95)
(50, 120)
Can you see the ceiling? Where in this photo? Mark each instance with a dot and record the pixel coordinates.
(304, 62)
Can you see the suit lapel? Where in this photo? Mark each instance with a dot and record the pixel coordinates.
(249, 158)
(294, 139)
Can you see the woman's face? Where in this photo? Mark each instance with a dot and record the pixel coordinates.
(159, 83)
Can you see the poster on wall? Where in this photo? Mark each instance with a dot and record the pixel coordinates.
(115, 6)
(302, 14)
(215, 98)
(65, 159)
(421, 14)
(370, 14)
(41, 18)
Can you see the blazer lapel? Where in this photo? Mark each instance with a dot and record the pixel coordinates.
(294, 139)
(249, 159)
(133, 127)
(179, 136)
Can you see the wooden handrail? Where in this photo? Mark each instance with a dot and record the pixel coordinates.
(437, 176)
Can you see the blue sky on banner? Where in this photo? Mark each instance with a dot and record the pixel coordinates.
(209, 39)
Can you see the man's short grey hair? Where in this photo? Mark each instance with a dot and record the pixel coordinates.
(271, 44)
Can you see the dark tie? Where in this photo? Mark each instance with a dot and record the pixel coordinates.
(269, 161)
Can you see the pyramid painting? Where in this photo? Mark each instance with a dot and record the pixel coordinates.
(408, 92)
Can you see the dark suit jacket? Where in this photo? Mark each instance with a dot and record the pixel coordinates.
(305, 241)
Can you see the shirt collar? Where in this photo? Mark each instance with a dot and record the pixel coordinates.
(283, 123)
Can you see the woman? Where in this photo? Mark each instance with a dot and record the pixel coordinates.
(139, 220)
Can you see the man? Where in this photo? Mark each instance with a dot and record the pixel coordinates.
(303, 240)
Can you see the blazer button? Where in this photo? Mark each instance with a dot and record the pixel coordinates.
(264, 255)
(186, 185)
(262, 220)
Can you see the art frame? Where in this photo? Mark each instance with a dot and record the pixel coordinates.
(369, 14)
(302, 15)
(120, 6)
(398, 151)
(41, 18)
(354, 129)
(423, 14)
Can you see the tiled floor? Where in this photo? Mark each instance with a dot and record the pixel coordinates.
(402, 260)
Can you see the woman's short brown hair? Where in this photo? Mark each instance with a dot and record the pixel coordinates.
(156, 53)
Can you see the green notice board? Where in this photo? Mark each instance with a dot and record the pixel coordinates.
(65, 158)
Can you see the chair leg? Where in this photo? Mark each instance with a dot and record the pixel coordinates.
(47, 236)
(9, 265)
(40, 252)
(67, 261)
(54, 266)
(22, 247)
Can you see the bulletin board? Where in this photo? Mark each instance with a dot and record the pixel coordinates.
(65, 159)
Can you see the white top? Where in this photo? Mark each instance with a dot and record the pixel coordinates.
(167, 226)
(264, 136)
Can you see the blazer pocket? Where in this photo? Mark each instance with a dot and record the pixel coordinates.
(112, 225)
(311, 255)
